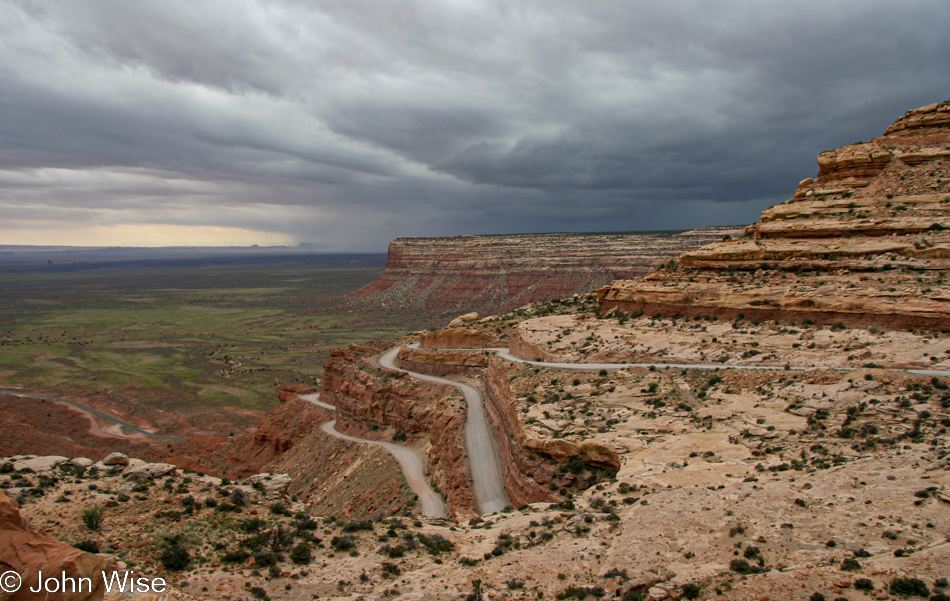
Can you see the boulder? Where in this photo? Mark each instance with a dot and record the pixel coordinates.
(116, 459)
(81, 462)
(133, 464)
(273, 483)
(40, 464)
(151, 470)
(28, 552)
(463, 319)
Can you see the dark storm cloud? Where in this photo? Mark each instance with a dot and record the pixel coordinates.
(352, 122)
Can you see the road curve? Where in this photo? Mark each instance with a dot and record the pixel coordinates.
(505, 354)
(490, 496)
(413, 466)
(95, 412)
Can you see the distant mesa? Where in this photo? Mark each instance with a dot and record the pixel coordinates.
(492, 274)
(866, 242)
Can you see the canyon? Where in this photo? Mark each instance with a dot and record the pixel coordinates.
(765, 416)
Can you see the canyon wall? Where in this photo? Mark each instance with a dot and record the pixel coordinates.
(370, 400)
(864, 243)
(531, 463)
(492, 274)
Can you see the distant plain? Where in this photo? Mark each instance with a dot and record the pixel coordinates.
(194, 349)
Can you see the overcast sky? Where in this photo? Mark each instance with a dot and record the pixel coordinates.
(348, 123)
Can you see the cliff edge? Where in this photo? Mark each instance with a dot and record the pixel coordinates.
(866, 242)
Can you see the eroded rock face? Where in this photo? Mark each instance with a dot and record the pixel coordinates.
(290, 392)
(881, 208)
(454, 338)
(367, 395)
(499, 273)
(441, 362)
(533, 461)
(28, 552)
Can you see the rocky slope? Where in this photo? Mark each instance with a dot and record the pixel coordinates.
(499, 273)
(866, 242)
(731, 484)
(342, 478)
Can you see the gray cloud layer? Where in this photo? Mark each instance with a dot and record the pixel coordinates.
(353, 122)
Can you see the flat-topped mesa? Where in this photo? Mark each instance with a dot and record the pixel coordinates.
(498, 273)
(879, 207)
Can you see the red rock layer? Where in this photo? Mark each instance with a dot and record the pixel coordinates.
(499, 273)
(867, 242)
(367, 395)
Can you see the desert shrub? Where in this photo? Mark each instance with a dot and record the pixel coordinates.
(301, 554)
(253, 525)
(436, 544)
(89, 546)
(235, 556)
(864, 584)
(850, 565)
(237, 497)
(92, 517)
(691, 591)
(264, 559)
(354, 525)
(175, 557)
(741, 566)
(342, 543)
(909, 587)
(279, 509)
(580, 592)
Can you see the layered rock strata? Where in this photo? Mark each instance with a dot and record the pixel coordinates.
(499, 273)
(866, 242)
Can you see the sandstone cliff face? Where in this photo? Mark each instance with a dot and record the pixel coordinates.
(28, 552)
(441, 362)
(367, 395)
(499, 273)
(881, 208)
(454, 338)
